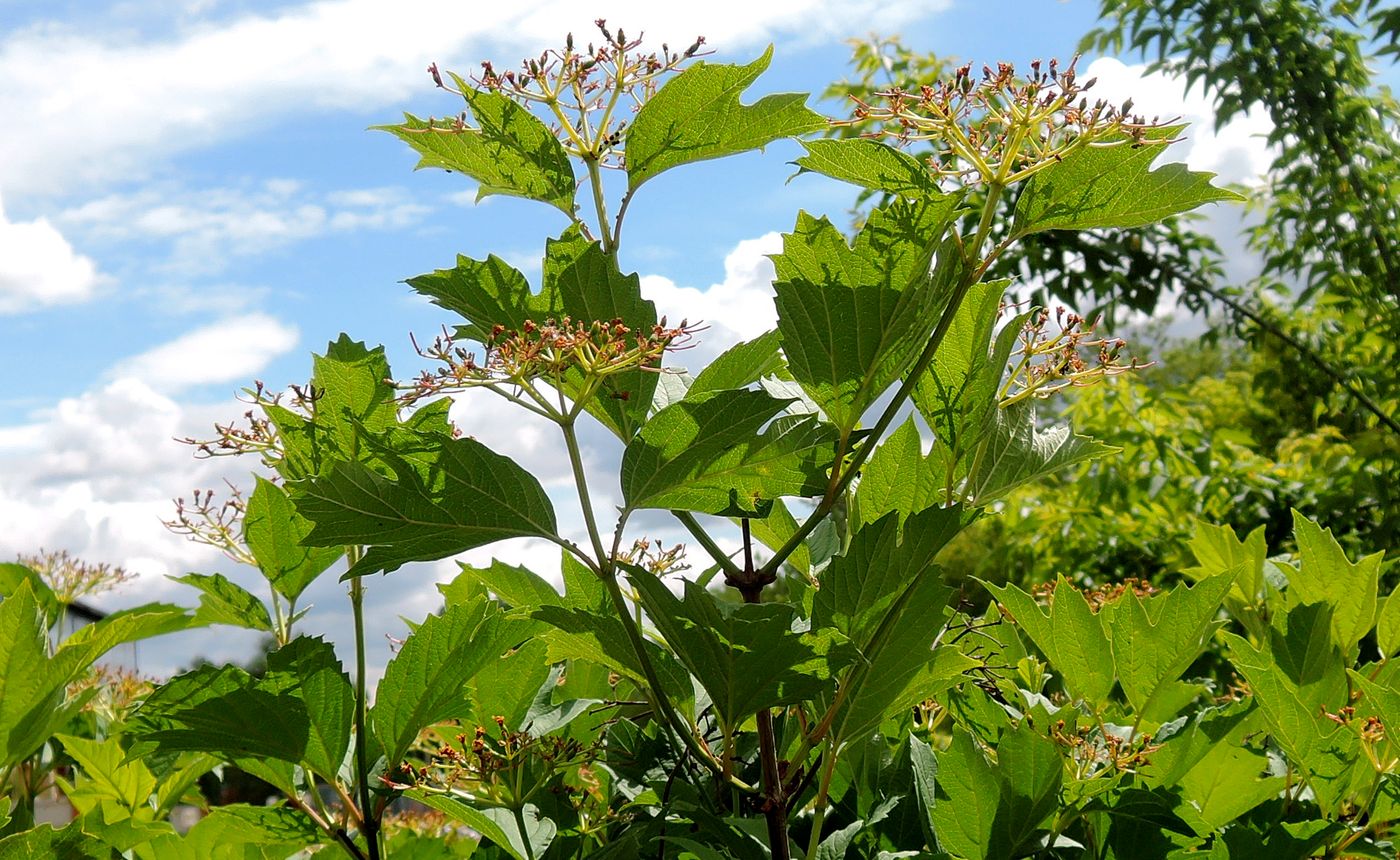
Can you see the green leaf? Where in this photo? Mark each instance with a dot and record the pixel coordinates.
(1297, 679)
(982, 810)
(223, 601)
(225, 711)
(868, 163)
(741, 365)
(1112, 186)
(325, 691)
(509, 152)
(453, 495)
(1017, 452)
(598, 637)
(1217, 550)
(897, 478)
(1327, 576)
(29, 694)
(725, 453)
(13, 575)
(274, 531)
(45, 843)
(130, 784)
(516, 586)
(488, 293)
(1154, 640)
(853, 317)
(1388, 625)
(496, 826)
(867, 582)
(697, 116)
(1228, 782)
(241, 824)
(775, 529)
(746, 656)
(425, 681)
(1069, 634)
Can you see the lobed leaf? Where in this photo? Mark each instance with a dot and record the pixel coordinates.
(697, 115)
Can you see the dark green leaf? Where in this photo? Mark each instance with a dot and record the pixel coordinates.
(746, 656)
(697, 115)
(453, 495)
(325, 691)
(425, 681)
(707, 454)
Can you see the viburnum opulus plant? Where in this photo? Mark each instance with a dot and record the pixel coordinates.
(847, 703)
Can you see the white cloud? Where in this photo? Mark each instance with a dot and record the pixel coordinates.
(231, 350)
(38, 267)
(153, 99)
(1238, 151)
(738, 308)
(205, 228)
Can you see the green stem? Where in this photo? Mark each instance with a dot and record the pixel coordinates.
(581, 485)
(828, 765)
(595, 179)
(702, 537)
(369, 823)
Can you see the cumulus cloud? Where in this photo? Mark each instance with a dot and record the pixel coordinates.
(205, 228)
(230, 350)
(211, 83)
(38, 267)
(738, 308)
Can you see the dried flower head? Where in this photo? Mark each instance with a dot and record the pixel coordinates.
(213, 522)
(1001, 128)
(545, 352)
(1048, 360)
(70, 578)
(577, 89)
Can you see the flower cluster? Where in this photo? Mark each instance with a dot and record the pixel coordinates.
(214, 523)
(579, 90)
(1095, 752)
(547, 351)
(1102, 595)
(1071, 354)
(1002, 128)
(655, 558)
(71, 578)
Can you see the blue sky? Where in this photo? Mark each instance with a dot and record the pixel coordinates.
(191, 199)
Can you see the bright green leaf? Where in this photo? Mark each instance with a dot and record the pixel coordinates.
(273, 531)
(741, 365)
(870, 164)
(697, 116)
(1018, 452)
(1327, 576)
(1112, 186)
(223, 601)
(453, 495)
(853, 317)
(509, 152)
(897, 478)
(1069, 634)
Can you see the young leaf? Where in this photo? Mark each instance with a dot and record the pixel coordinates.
(871, 164)
(1018, 452)
(13, 575)
(1154, 640)
(130, 784)
(1217, 550)
(746, 656)
(274, 531)
(707, 454)
(1070, 635)
(516, 586)
(1112, 186)
(1325, 575)
(448, 496)
(424, 682)
(853, 317)
(497, 826)
(697, 116)
(223, 601)
(511, 152)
